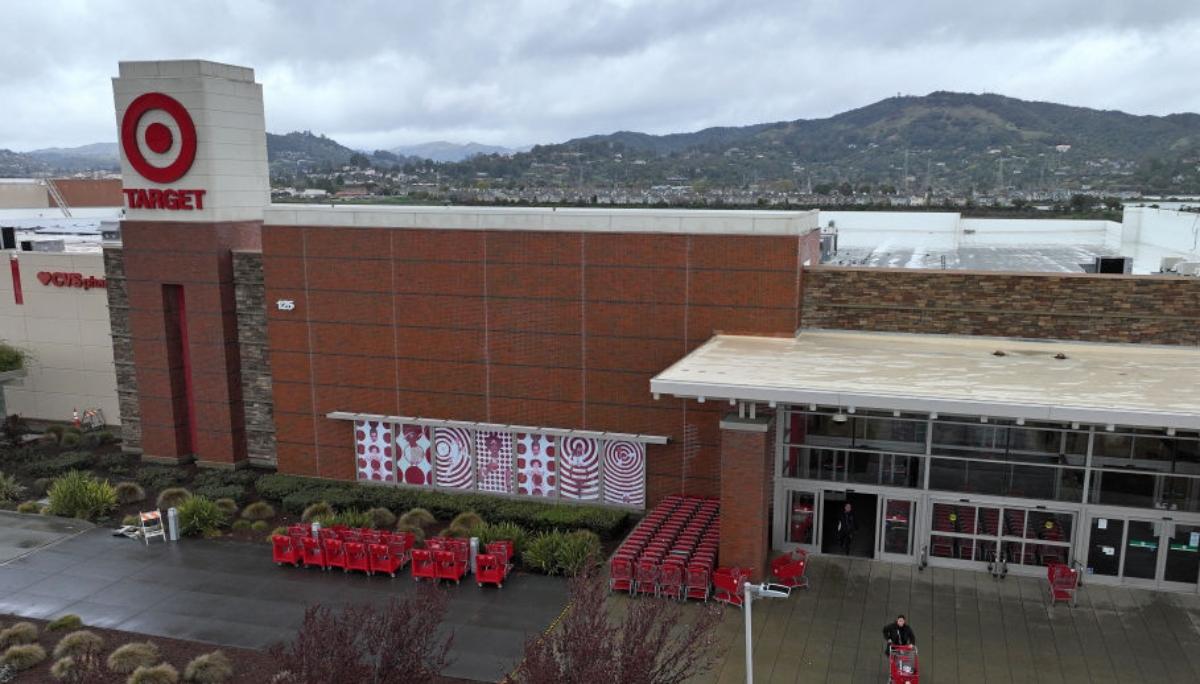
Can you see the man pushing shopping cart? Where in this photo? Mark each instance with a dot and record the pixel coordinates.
(901, 650)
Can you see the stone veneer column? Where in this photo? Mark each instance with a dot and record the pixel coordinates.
(746, 457)
(118, 315)
(257, 399)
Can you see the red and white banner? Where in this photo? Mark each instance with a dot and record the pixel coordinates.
(373, 451)
(625, 473)
(536, 457)
(414, 462)
(579, 470)
(452, 458)
(493, 453)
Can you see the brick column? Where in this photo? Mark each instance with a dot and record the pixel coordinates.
(746, 464)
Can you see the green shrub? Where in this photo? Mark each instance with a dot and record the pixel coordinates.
(131, 519)
(55, 431)
(28, 507)
(578, 551)
(505, 531)
(79, 495)
(467, 520)
(131, 656)
(23, 657)
(172, 497)
(240, 525)
(70, 439)
(259, 510)
(228, 505)
(382, 518)
(81, 643)
(98, 438)
(235, 493)
(72, 430)
(281, 531)
(541, 552)
(417, 517)
(129, 492)
(157, 477)
(64, 623)
(349, 518)
(18, 633)
(317, 510)
(42, 485)
(200, 517)
(417, 532)
(260, 525)
(276, 487)
(163, 673)
(227, 478)
(56, 465)
(10, 489)
(209, 668)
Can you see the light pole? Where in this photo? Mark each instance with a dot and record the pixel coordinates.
(753, 591)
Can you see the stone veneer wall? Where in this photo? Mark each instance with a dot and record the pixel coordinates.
(118, 314)
(1108, 308)
(256, 361)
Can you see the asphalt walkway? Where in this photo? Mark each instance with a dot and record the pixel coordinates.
(969, 628)
(230, 593)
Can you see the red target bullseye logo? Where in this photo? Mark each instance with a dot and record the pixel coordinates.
(158, 137)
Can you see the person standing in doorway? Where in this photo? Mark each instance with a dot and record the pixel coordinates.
(846, 528)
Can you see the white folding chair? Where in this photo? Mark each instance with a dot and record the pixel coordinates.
(152, 526)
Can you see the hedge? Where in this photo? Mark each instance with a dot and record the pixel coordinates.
(214, 492)
(295, 494)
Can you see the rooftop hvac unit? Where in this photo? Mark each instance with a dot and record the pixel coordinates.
(1188, 268)
(1112, 265)
(1168, 264)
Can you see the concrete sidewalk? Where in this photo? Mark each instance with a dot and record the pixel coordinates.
(969, 628)
(22, 534)
(230, 593)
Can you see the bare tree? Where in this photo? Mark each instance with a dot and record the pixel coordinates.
(397, 643)
(649, 642)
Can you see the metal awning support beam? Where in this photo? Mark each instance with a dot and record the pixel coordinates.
(474, 425)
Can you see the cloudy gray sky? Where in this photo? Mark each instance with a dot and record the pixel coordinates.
(379, 74)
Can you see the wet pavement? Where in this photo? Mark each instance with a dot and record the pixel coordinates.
(230, 593)
(22, 534)
(969, 628)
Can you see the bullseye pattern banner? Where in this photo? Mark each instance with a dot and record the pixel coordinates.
(496, 461)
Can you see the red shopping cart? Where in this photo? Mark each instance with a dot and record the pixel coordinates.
(902, 665)
(1064, 582)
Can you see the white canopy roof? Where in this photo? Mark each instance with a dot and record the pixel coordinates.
(1118, 384)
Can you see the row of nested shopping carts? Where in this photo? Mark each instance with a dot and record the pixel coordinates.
(672, 553)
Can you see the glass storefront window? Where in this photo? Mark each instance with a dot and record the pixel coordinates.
(897, 526)
(800, 518)
(1146, 490)
(1183, 555)
(1004, 479)
(1048, 526)
(853, 465)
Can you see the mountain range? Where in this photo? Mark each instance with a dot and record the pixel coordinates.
(941, 142)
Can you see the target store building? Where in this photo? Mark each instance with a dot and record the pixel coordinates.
(615, 357)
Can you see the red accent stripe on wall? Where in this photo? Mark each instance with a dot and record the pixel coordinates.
(15, 265)
(186, 357)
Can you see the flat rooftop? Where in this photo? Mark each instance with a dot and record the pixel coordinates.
(1120, 384)
(712, 222)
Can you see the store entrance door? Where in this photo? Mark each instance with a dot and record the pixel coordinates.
(1157, 554)
(861, 540)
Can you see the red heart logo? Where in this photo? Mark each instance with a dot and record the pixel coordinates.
(45, 277)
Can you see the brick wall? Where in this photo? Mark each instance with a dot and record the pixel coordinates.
(196, 257)
(559, 329)
(88, 192)
(1143, 309)
(747, 459)
(118, 314)
(257, 400)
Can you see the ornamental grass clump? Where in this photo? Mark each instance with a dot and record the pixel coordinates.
(18, 633)
(209, 668)
(79, 644)
(23, 657)
(10, 489)
(467, 520)
(65, 623)
(129, 492)
(172, 497)
(200, 517)
(381, 518)
(229, 506)
(163, 673)
(259, 510)
(131, 656)
(417, 517)
(317, 510)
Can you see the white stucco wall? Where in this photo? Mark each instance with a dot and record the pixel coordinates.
(67, 332)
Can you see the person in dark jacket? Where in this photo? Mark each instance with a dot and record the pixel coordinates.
(898, 633)
(846, 528)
